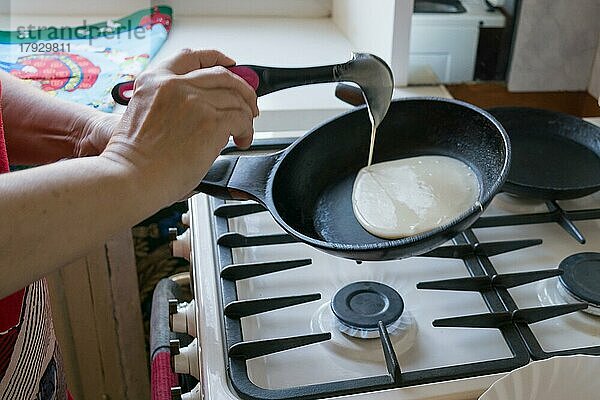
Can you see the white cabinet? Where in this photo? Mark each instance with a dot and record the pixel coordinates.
(443, 47)
(449, 51)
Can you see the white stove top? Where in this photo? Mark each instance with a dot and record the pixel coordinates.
(418, 344)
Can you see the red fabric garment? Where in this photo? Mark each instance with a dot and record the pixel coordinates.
(12, 302)
(10, 306)
(30, 361)
(3, 154)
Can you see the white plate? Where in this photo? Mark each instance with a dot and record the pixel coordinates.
(557, 378)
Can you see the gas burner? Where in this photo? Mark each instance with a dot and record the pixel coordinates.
(378, 302)
(350, 343)
(360, 306)
(517, 204)
(581, 280)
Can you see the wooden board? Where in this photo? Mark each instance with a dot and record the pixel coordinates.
(98, 323)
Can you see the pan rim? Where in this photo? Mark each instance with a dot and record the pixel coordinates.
(471, 213)
(563, 191)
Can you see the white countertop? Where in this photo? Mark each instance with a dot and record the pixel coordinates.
(261, 41)
(280, 42)
(593, 120)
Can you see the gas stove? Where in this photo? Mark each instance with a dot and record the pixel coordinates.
(277, 319)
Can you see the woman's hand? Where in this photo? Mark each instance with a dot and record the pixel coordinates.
(180, 117)
(95, 132)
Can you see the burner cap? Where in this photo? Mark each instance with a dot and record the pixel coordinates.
(363, 304)
(581, 276)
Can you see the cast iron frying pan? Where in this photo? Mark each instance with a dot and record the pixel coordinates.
(555, 156)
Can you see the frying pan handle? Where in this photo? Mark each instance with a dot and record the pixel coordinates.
(349, 94)
(216, 179)
(238, 177)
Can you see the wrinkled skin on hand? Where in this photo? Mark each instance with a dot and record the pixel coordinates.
(180, 116)
(95, 135)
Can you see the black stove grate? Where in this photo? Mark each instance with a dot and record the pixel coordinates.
(565, 219)
(512, 322)
(239, 351)
(494, 286)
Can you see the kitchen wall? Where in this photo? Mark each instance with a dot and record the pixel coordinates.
(383, 30)
(294, 8)
(594, 87)
(555, 45)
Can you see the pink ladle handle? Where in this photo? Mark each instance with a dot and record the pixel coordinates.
(247, 74)
(122, 92)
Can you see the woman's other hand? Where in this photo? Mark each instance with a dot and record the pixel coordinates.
(96, 131)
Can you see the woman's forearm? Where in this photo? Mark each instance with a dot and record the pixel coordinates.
(179, 119)
(40, 128)
(53, 214)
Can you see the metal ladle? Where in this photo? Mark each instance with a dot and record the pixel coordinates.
(375, 79)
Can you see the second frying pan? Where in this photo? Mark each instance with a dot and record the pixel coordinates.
(555, 156)
(308, 187)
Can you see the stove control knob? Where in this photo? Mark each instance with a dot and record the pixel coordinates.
(173, 303)
(185, 360)
(194, 394)
(181, 246)
(185, 218)
(173, 348)
(176, 393)
(182, 317)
